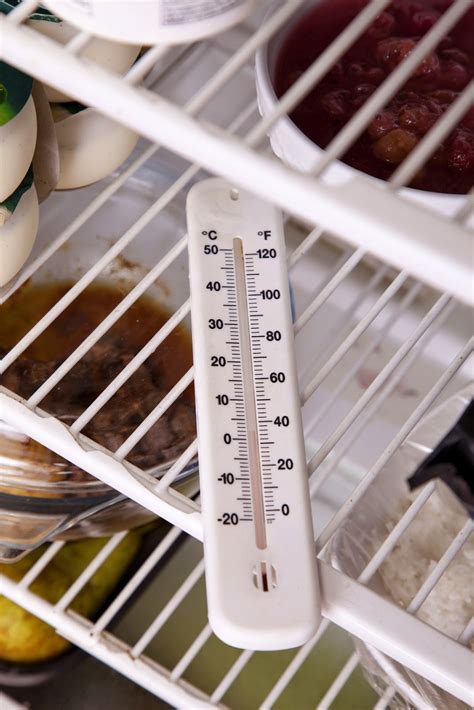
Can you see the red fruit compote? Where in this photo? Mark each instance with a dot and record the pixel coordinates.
(415, 108)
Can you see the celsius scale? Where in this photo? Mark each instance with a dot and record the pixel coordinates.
(260, 557)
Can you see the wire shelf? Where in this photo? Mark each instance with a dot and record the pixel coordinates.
(378, 343)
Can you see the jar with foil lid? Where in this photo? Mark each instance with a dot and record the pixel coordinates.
(152, 21)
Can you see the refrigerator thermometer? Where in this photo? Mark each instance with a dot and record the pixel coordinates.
(260, 559)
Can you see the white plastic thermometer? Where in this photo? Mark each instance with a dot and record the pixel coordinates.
(258, 540)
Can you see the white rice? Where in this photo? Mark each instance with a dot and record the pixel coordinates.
(450, 605)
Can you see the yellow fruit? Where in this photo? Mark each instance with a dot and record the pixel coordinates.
(26, 639)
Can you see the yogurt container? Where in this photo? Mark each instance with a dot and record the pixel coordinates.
(19, 216)
(17, 128)
(152, 21)
(114, 56)
(90, 145)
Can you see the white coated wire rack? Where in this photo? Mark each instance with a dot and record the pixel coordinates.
(9, 703)
(382, 332)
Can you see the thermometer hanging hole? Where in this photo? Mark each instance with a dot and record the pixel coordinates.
(234, 194)
(264, 577)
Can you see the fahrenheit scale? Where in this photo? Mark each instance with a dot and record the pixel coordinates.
(258, 540)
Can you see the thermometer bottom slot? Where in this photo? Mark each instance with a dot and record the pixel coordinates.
(264, 576)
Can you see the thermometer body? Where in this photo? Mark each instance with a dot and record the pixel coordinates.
(259, 547)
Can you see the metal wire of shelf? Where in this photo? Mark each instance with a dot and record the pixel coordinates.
(364, 282)
(302, 196)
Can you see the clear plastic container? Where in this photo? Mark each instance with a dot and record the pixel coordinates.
(368, 525)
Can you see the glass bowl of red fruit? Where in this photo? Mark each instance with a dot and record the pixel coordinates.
(300, 138)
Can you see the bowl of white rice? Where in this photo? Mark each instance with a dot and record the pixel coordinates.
(450, 605)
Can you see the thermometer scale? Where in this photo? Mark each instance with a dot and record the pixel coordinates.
(258, 540)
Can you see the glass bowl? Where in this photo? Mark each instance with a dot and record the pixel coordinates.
(43, 496)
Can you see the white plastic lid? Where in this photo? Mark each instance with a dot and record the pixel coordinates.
(152, 21)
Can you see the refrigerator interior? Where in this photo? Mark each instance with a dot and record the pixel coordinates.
(376, 349)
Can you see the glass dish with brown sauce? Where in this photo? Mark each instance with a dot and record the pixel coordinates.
(29, 469)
